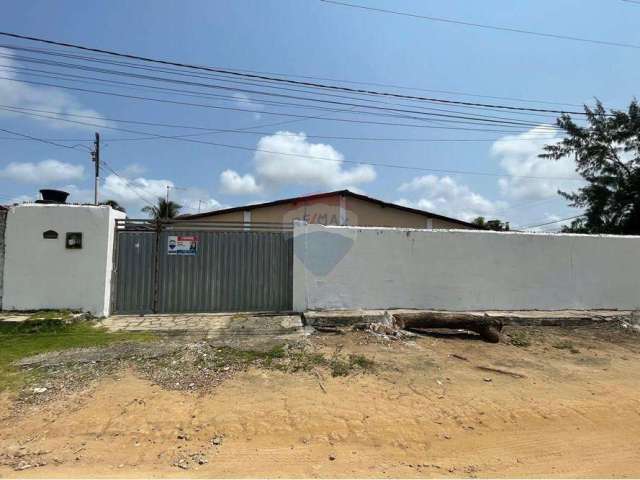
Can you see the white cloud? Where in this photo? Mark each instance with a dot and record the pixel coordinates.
(284, 159)
(19, 199)
(518, 155)
(234, 183)
(244, 101)
(44, 172)
(49, 99)
(133, 170)
(136, 193)
(78, 194)
(196, 200)
(446, 196)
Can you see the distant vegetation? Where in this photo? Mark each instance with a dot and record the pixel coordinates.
(163, 209)
(113, 204)
(496, 225)
(607, 155)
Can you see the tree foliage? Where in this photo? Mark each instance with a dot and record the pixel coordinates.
(163, 209)
(607, 155)
(114, 204)
(496, 225)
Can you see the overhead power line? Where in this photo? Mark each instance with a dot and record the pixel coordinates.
(210, 76)
(55, 144)
(281, 114)
(127, 183)
(41, 140)
(555, 221)
(419, 115)
(206, 75)
(295, 155)
(556, 36)
(279, 79)
(247, 130)
(257, 94)
(290, 134)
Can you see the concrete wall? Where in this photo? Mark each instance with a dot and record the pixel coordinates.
(347, 267)
(3, 217)
(42, 273)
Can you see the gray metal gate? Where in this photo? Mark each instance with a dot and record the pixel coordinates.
(230, 268)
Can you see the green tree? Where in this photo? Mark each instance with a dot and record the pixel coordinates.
(496, 225)
(163, 209)
(607, 155)
(113, 204)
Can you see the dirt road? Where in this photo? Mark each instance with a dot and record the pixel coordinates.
(570, 409)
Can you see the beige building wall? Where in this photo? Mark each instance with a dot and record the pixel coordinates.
(368, 214)
(324, 210)
(223, 217)
(327, 211)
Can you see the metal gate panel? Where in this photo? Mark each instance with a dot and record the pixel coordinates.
(135, 272)
(232, 271)
(235, 268)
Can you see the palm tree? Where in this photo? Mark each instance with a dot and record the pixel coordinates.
(115, 205)
(163, 209)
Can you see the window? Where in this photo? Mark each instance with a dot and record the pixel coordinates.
(74, 240)
(50, 235)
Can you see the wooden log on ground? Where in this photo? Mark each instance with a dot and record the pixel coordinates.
(488, 328)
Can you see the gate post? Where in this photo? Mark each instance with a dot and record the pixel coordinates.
(114, 269)
(156, 273)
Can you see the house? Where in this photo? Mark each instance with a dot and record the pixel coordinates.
(341, 207)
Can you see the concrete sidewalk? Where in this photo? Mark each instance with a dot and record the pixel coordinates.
(216, 324)
(225, 329)
(563, 318)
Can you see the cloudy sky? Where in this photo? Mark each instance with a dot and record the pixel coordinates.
(460, 173)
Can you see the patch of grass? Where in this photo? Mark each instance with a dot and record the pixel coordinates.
(519, 339)
(31, 337)
(343, 367)
(51, 315)
(566, 345)
(286, 360)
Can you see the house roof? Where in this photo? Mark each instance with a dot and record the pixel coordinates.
(346, 193)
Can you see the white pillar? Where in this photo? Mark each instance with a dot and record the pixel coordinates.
(343, 210)
(246, 218)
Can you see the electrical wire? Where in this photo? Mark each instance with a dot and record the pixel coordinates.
(218, 86)
(555, 221)
(278, 79)
(49, 142)
(127, 183)
(489, 120)
(556, 36)
(30, 137)
(248, 130)
(295, 155)
(102, 58)
(290, 115)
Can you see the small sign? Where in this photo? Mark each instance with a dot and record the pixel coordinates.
(182, 245)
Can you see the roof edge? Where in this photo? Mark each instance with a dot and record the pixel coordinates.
(347, 193)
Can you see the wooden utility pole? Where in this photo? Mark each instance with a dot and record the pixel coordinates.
(95, 154)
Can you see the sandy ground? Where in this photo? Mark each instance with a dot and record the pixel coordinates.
(422, 413)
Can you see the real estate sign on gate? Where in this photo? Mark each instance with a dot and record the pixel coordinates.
(182, 245)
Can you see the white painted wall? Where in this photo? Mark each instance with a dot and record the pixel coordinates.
(3, 218)
(379, 268)
(41, 273)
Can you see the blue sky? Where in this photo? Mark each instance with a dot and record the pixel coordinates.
(308, 37)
